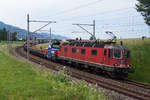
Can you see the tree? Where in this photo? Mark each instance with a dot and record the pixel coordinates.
(14, 38)
(3, 34)
(144, 8)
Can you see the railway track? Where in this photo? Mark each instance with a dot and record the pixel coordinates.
(132, 89)
(143, 85)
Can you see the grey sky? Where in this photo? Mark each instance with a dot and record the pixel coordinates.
(110, 15)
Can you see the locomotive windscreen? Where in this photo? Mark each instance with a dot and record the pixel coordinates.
(117, 53)
(56, 44)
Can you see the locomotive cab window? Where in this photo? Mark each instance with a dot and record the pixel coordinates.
(117, 53)
(105, 52)
(73, 50)
(82, 51)
(65, 49)
(94, 52)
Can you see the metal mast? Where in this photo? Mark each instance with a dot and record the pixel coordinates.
(28, 37)
(93, 25)
(28, 32)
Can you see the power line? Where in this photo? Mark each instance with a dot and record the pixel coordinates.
(135, 16)
(112, 11)
(78, 7)
(122, 25)
(100, 13)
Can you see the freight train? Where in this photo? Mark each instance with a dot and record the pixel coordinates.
(98, 56)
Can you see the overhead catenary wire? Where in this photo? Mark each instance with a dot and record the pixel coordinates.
(106, 12)
(76, 8)
(100, 13)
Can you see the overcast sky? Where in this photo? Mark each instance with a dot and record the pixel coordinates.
(118, 16)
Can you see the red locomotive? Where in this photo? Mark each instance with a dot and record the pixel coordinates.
(97, 56)
(105, 57)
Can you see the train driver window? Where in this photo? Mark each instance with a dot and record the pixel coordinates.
(105, 52)
(73, 50)
(82, 51)
(117, 53)
(94, 52)
(65, 49)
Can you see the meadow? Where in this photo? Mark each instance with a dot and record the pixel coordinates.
(140, 58)
(11, 42)
(20, 80)
(44, 45)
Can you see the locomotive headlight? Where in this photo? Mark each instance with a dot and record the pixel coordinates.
(116, 65)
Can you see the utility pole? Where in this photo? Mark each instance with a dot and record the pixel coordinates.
(93, 25)
(149, 29)
(50, 31)
(28, 32)
(28, 37)
(94, 29)
(8, 36)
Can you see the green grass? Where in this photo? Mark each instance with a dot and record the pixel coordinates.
(11, 42)
(140, 58)
(44, 45)
(22, 81)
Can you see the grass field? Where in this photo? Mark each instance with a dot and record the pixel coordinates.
(140, 58)
(22, 81)
(45, 45)
(11, 42)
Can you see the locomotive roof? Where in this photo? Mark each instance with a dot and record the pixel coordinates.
(116, 47)
(95, 44)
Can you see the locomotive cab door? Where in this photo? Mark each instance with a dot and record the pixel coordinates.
(106, 59)
(65, 51)
(78, 53)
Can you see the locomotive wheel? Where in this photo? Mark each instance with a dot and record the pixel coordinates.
(99, 71)
(79, 66)
(122, 75)
(73, 64)
(117, 75)
(111, 74)
(65, 62)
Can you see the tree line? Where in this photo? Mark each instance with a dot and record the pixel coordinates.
(143, 7)
(4, 35)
